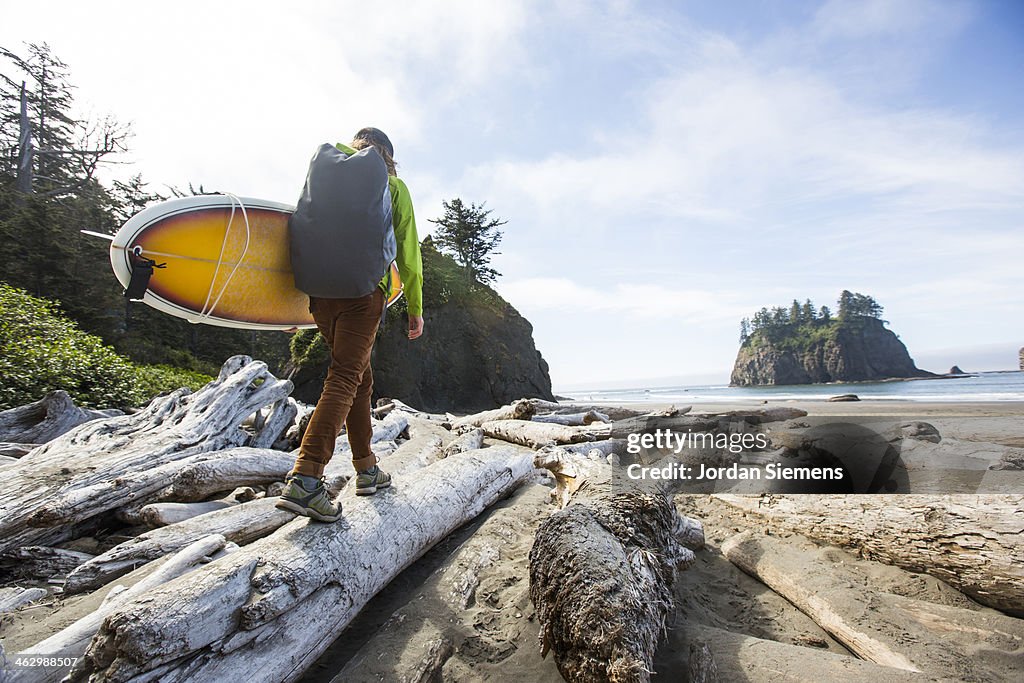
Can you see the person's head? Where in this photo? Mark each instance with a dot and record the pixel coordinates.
(374, 137)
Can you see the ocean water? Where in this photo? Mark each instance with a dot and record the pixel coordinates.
(986, 386)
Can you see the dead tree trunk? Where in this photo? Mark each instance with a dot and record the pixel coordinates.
(46, 419)
(601, 572)
(572, 419)
(265, 612)
(536, 434)
(972, 542)
(520, 410)
(886, 629)
(110, 463)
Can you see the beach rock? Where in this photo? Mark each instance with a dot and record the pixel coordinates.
(854, 350)
(844, 397)
(955, 370)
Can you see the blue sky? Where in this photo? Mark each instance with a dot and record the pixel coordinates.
(665, 168)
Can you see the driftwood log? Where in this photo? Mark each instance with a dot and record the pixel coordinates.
(72, 641)
(13, 597)
(11, 451)
(536, 434)
(601, 572)
(572, 419)
(46, 419)
(886, 629)
(614, 412)
(281, 415)
(520, 410)
(41, 562)
(114, 462)
(717, 656)
(265, 612)
(972, 542)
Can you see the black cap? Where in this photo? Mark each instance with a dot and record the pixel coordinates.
(376, 135)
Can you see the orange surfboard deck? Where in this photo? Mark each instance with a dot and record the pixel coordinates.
(222, 265)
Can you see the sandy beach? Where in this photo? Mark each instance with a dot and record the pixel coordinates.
(492, 635)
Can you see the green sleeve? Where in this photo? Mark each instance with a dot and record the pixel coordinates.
(408, 258)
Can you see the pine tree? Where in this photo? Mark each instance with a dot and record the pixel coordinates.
(471, 236)
(744, 331)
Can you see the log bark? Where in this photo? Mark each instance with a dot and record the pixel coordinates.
(601, 572)
(46, 419)
(536, 434)
(37, 561)
(972, 542)
(265, 612)
(109, 463)
(886, 629)
(717, 656)
(573, 419)
(72, 641)
(13, 597)
(520, 410)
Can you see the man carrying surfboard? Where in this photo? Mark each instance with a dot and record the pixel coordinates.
(354, 217)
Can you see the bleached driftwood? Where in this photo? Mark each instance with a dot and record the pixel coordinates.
(157, 515)
(46, 419)
(536, 434)
(972, 542)
(281, 416)
(887, 629)
(11, 451)
(71, 641)
(572, 419)
(265, 612)
(760, 415)
(468, 441)
(622, 429)
(612, 411)
(114, 462)
(13, 597)
(388, 429)
(240, 524)
(224, 471)
(625, 537)
(40, 561)
(717, 656)
(519, 410)
(7, 460)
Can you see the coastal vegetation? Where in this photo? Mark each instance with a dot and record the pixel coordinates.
(801, 324)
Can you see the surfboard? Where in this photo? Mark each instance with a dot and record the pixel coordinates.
(220, 260)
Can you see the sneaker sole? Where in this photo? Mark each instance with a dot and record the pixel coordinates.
(285, 504)
(370, 490)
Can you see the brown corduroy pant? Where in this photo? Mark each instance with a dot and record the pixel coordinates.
(349, 326)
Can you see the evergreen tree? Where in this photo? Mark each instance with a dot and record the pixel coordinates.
(744, 331)
(847, 304)
(807, 312)
(825, 314)
(795, 312)
(471, 236)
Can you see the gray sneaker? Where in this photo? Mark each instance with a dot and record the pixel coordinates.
(315, 504)
(368, 482)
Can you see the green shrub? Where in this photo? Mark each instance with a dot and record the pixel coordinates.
(41, 350)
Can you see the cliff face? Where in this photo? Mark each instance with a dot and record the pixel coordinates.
(852, 351)
(476, 351)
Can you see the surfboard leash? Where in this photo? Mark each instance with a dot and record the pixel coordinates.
(208, 312)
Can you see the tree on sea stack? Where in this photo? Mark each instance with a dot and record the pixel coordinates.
(471, 236)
